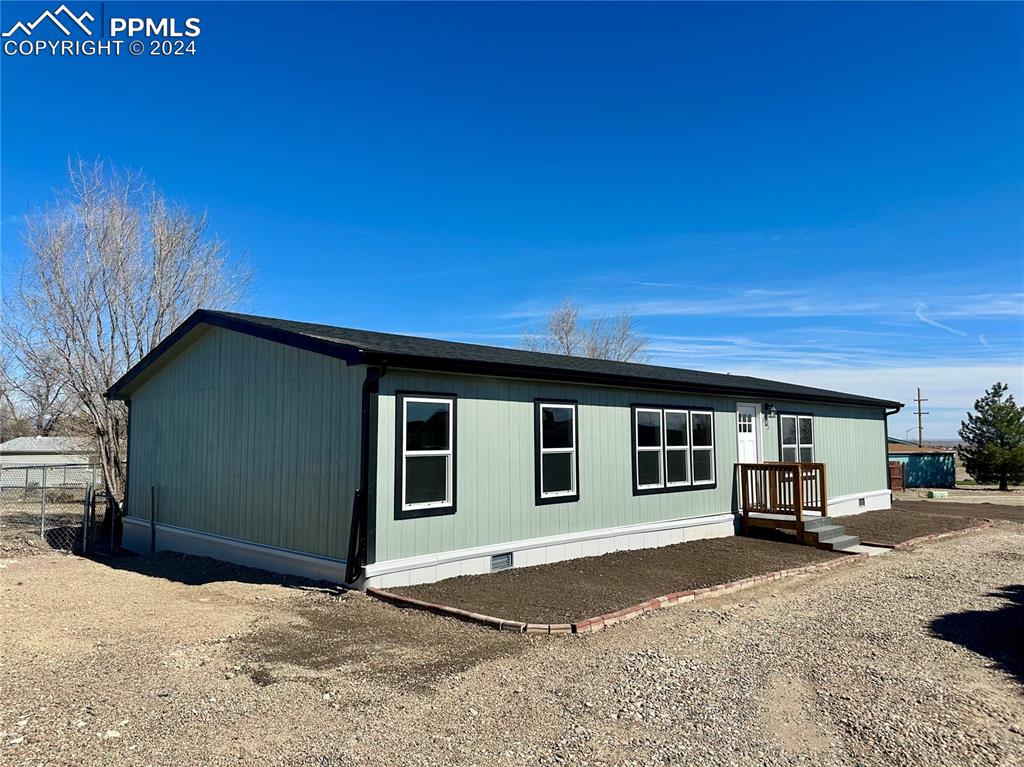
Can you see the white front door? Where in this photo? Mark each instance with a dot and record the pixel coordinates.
(748, 433)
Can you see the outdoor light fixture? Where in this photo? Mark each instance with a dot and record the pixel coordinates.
(769, 410)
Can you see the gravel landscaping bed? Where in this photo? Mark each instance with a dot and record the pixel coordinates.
(894, 526)
(911, 659)
(569, 591)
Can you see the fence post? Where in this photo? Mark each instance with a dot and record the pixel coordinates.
(85, 522)
(42, 508)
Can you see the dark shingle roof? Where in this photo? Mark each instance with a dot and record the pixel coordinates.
(369, 347)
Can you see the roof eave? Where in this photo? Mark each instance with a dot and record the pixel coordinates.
(511, 370)
(121, 389)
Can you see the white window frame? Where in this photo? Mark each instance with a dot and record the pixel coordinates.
(694, 449)
(449, 453)
(660, 449)
(677, 448)
(551, 450)
(798, 445)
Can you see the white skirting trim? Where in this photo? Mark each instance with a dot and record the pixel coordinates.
(554, 548)
(474, 561)
(137, 538)
(874, 500)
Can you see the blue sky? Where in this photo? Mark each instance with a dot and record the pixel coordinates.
(827, 194)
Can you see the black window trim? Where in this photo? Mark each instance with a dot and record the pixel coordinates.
(798, 414)
(436, 511)
(538, 403)
(665, 487)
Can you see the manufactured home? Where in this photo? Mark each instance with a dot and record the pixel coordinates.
(379, 459)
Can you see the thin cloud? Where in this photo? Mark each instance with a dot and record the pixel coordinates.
(817, 301)
(919, 313)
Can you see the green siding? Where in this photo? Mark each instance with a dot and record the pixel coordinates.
(258, 441)
(850, 441)
(249, 439)
(495, 462)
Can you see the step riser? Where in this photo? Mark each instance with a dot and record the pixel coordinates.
(839, 544)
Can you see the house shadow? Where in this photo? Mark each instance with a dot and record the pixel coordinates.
(191, 570)
(997, 634)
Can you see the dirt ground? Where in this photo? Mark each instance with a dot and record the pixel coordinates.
(576, 589)
(1007, 512)
(894, 526)
(913, 658)
(967, 494)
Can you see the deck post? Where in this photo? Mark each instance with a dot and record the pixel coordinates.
(798, 500)
(744, 498)
(823, 485)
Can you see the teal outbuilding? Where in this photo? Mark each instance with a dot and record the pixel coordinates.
(379, 459)
(924, 466)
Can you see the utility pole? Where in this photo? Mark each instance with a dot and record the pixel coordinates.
(920, 424)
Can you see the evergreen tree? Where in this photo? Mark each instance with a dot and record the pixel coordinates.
(993, 439)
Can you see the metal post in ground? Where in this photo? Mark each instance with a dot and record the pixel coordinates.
(85, 522)
(42, 509)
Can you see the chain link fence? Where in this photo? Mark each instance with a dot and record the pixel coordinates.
(49, 508)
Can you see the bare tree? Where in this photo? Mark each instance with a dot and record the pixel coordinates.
(37, 391)
(112, 268)
(12, 421)
(569, 333)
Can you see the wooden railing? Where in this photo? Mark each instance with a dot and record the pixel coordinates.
(784, 489)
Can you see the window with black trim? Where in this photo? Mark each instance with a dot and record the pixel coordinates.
(796, 438)
(556, 452)
(702, 429)
(673, 448)
(427, 454)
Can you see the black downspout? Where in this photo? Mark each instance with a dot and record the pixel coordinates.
(360, 505)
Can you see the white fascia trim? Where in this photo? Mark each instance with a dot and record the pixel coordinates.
(231, 549)
(430, 560)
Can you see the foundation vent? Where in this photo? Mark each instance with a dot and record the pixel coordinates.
(501, 562)
(861, 502)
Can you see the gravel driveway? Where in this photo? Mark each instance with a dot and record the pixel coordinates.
(913, 658)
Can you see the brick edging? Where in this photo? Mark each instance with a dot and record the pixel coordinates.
(500, 624)
(599, 622)
(982, 525)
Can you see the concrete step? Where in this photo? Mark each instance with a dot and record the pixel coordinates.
(826, 531)
(815, 522)
(838, 543)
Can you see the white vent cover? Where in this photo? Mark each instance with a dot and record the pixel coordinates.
(861, 502)
(501, 562)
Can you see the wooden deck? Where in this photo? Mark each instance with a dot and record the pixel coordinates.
(781, 495)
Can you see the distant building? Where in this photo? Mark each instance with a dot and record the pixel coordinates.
(46, 451)
(924, 466)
